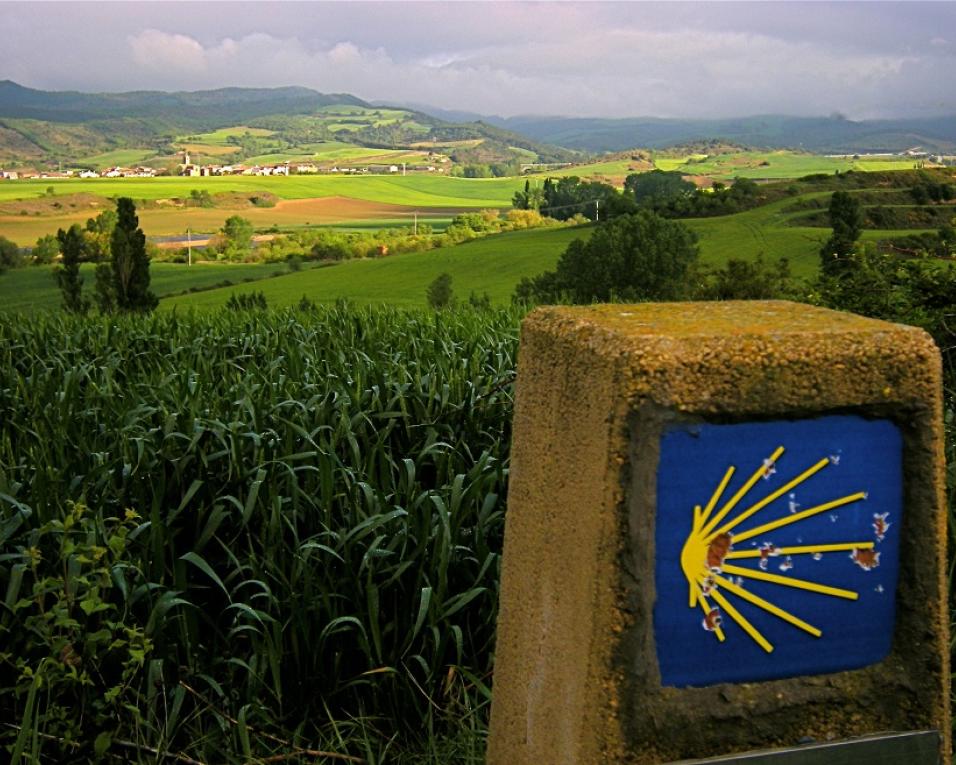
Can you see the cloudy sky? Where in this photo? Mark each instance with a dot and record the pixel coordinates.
(690, 59)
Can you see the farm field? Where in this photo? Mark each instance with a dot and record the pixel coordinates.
(122, 157)
(32, 289)
(724, 167)
(343, 467)
(304, 201)
(493, 265)
(286, 214)
(776, 165)
(423, 190)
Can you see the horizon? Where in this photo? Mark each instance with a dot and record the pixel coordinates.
(586, 60)
(425, 107)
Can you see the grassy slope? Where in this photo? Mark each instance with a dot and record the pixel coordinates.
(423, 190)
(493, 265)
(121, 157)
(32, 289)
(780, 165)
(766, 230)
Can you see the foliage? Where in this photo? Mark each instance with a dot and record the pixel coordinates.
(10, 256)
(67, 275)
(741, 279)
(130, 261)
(75, 649)
(657, 186)
(236, 237)
(439, 292)
(846, 219)
(530, 199)
(569, 196)
(104, 289)
(200, 198)
(247, 301)
(743, 195)
(99, 234)
(634, 257)
(46, 249)
(321, 496)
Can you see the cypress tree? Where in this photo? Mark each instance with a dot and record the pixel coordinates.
(130, 261)
(846, 218)
(72, 246)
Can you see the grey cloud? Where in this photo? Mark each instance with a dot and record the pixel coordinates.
(598, 59)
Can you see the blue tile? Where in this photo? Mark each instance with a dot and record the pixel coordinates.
(856, 462)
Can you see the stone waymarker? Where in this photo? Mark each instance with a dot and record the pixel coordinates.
(726, 533)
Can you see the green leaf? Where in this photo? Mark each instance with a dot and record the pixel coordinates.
(199, 562)
(102, 744)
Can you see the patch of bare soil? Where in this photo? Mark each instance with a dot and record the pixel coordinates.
(56, 204)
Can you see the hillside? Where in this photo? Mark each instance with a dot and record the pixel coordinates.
(40, 128)
(834, 134)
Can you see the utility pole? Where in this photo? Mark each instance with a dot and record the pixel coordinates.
(416, 223)
(597, 210)
(189, 246)
(403, 169)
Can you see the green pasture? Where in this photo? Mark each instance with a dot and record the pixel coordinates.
(770, 231)
(419, 190)
(774, 165)
(222, 136)
(32, 289)
(493, 265)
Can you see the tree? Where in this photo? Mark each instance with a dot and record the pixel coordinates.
(99, 234)
(103, 289)
(846, 218)
(634, 257)
(46, 249)
(530, 199)
(9, 255)
(237, 235)
(742, 279)
(657, 186)
(130, 261)
(72, 245)
(439, 292)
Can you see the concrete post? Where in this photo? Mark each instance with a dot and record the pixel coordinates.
(726, 532)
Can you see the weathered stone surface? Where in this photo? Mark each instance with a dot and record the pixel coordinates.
(576, 679)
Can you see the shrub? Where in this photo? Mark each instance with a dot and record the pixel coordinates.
(439, 292)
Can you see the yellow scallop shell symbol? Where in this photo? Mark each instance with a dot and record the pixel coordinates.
(712, 538)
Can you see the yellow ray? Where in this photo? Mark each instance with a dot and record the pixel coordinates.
(787, 581)
(796, 517)
(742, 621)
(771, 497)
(705, 606)
(801, 550)
(717, 493)
(697, 518)
(740, 592)
(732, 502)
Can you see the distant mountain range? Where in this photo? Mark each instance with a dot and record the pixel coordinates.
(199, 110)
(834, 134)
(43, 127)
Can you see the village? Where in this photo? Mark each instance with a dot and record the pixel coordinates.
(190, 169)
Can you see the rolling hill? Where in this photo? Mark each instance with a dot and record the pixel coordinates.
(42, 128)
